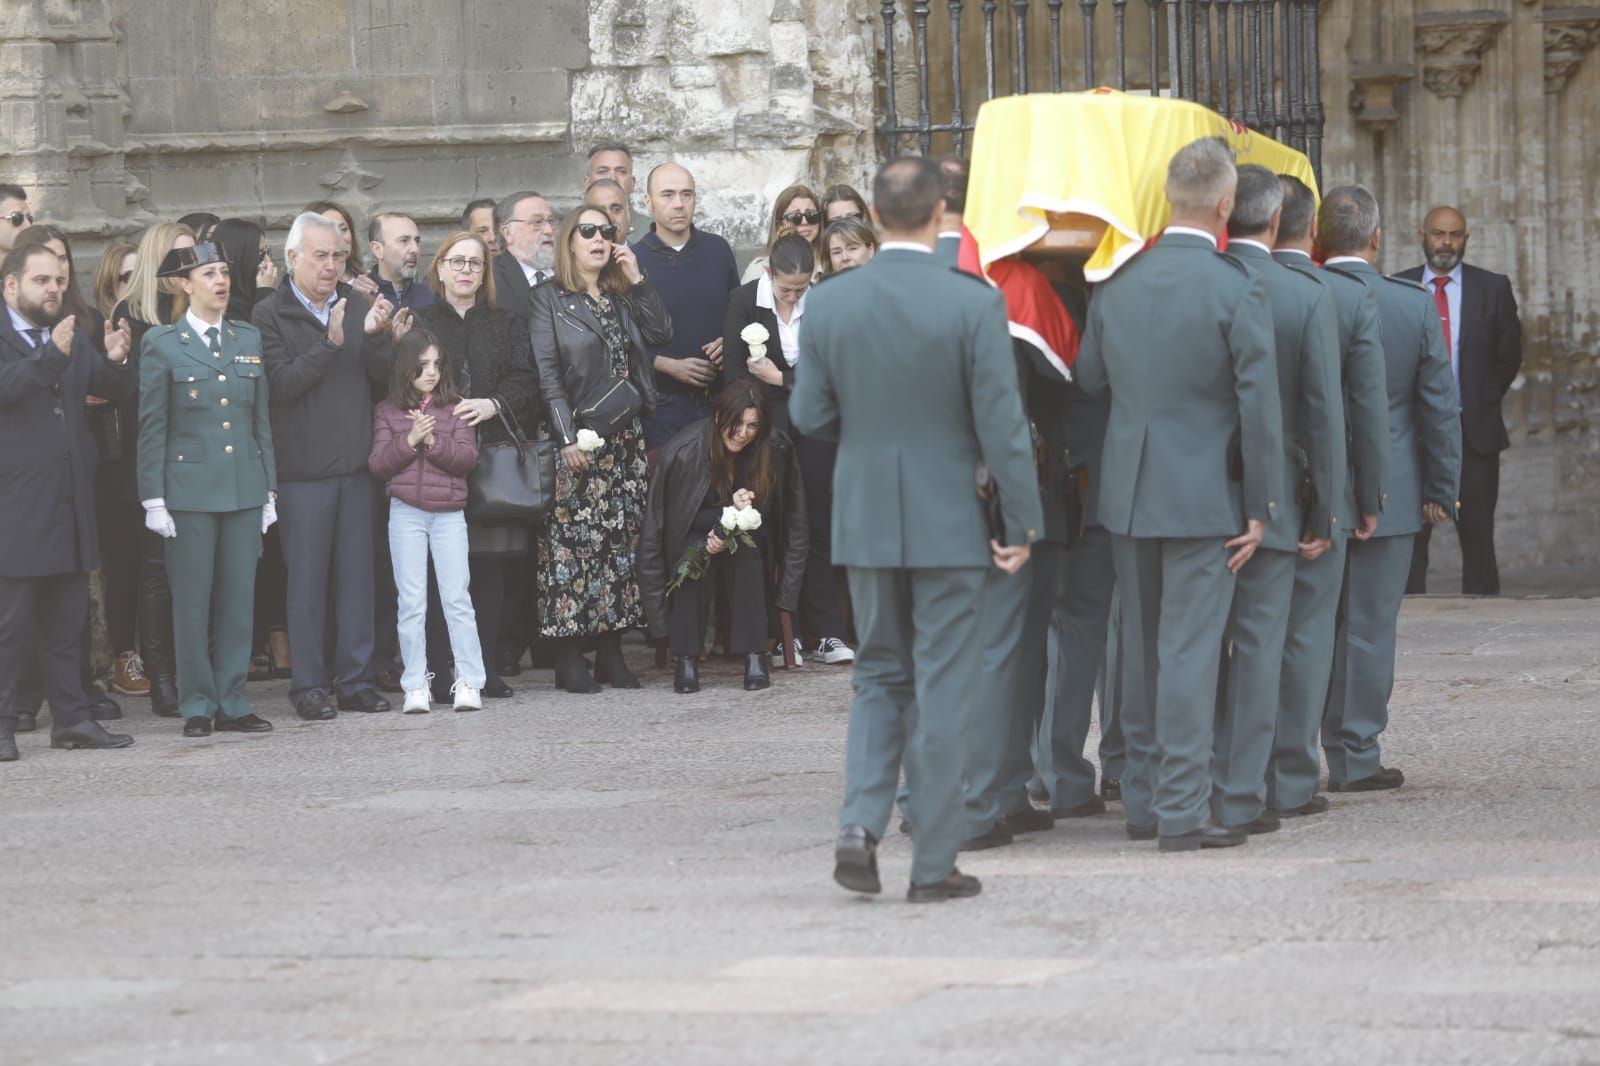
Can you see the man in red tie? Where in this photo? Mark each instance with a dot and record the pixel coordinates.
(1484, 338)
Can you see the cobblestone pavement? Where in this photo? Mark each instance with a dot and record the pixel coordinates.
(644, 878)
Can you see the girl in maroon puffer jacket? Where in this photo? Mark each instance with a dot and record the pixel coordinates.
(424, 452)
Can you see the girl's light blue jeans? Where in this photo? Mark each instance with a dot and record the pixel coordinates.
(413, 535)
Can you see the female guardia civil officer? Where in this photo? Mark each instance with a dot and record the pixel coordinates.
(207, 481)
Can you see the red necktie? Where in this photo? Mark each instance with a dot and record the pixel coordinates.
(1443, 304)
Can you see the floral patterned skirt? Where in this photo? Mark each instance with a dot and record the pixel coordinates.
(587, 576)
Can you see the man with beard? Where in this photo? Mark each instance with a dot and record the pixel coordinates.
(1483, 336)
(396, 246)
(527, 226)
(47, 464)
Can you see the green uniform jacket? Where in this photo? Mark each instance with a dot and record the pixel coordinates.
(1182, 337)
(1306, 328)
(909, 365)
(1424, 463)
(205, 440)
(1366, 401)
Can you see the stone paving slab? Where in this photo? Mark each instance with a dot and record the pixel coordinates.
(642, 878)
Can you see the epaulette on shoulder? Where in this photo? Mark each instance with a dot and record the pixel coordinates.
(1234, 263)
(1406, 283)
(239, 325)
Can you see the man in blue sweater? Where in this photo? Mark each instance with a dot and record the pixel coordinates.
(694, 272)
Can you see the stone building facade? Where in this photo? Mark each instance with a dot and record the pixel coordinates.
(117, 112)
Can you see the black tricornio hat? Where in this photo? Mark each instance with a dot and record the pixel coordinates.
(180, 261)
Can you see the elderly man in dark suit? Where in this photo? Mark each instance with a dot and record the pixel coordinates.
(527, 226)
(1483, 337)
(47, 464)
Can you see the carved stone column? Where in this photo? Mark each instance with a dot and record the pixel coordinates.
(1569, 33)
(1372, 92)
(1451, 44)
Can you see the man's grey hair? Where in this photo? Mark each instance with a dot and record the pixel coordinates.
(506, 209)
(1200, 175)
(611, 146)
(1347, 220)
(1257, 198)
(304, 221)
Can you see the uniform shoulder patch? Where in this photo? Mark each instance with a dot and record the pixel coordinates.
(1406, 282)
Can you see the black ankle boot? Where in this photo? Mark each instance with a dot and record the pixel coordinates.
(609, 663)
(571, 673)
(688, 677)
(164, 696)
(756, 674)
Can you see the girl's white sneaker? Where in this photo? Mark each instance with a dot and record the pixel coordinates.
(467, 698)
(417, 701)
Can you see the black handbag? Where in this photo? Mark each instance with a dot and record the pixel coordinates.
(514, 481)
(610, 406)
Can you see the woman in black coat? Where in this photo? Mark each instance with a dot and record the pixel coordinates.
(733, 458)
(590, 326)
(492, 366)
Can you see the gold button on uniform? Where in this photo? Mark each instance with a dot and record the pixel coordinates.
(180, 458)
(222, 377)
(228, 448)
(227, 425)
(224, 401)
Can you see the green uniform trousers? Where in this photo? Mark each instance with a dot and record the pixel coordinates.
(1083, 612)
(1247, 699)
(1176, 593)
(1363, 655)
(1108, 689)
(211, 565)
(1303, 687)
(914, 678)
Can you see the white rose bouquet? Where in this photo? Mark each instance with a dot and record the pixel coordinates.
(756, 336)
(589, 441)
(735, 528)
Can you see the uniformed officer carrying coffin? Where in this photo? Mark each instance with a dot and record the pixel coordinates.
(208, 482)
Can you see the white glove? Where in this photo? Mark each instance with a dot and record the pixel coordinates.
(269, 515)
(158, 520)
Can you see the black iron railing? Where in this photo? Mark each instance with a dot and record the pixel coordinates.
(1254, 61)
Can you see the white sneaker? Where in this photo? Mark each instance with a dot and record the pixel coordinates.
(833, 651)
(417, 701)
(467, 698)
(799, 654)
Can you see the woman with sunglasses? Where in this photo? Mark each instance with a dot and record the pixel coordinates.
(491, 364)
(111, 277)
(796, 208)
(590, 325)
(842, 201)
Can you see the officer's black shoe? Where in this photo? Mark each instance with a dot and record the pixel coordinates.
(957, 886)
(996, 836)
(757, 676)
(164, 697)
(89, 734)
(1386, 778)
(197, 725)
(315, 706)
(8, 747)
(687, 679)
(1142, 832)
(1265, 822)
(1317, 804)
(245, 723)
(27, 723)
(1031, 820)
(367, 701)
(1209, 835)
(855, 861)
(1087, 809)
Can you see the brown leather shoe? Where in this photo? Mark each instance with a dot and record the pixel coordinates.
(127, 675)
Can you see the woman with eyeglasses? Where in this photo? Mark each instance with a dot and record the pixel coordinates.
(111, 277)
(842, 201)
(796, 208)
(590, 326)
(847, 242)
(491, 365)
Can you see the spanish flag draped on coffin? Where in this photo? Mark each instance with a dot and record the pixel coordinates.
(1082, 172)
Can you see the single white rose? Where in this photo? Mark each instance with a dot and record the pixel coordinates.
(730, 519)
(758, 352)
(749, 519)
(590, 441)
(753, 334)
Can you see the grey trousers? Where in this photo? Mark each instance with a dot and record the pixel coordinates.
(1176, 594)
(1296, 761)
(1083, 615)
(915, 669)
(326, 529)
(1363, 656)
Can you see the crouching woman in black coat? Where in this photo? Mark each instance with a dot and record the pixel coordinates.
(733, 459)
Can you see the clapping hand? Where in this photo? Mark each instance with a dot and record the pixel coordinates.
(336, 324)
(267, 273)
(402, 323)
(63, 334)
(743, 498)
(364, 284)
(421, 429)
(378, 316)
(119, 342)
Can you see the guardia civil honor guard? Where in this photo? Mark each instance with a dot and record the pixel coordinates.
(208, 483)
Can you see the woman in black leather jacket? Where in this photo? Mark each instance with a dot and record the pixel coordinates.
(590, 325)
(734, 457)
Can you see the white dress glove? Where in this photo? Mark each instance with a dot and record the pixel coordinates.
(269, 515)
(158, 520)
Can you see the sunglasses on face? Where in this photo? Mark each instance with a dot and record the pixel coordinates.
(124, 277)
(17, 218)
(587, 230)
(461, 262)
(803, 218)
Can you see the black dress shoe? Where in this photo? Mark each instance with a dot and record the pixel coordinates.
(1209, 835)
(1385, 779)
(366, 701)
(508, 665)
(1031, 820)
(8, 747)
(27, 723)
(687, 678)
(90, 734)
(164, 697)
(855, 861)
(1142, 832)
(315, 706)
(957, 886)
(493, 689)
(198, 725)
(756, 674)
(1265, 822)
(387, 681)
(1317, 804)
(1111, 790)
(245, 723)
(102, 708)
(1089, 808)
(997, 836)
